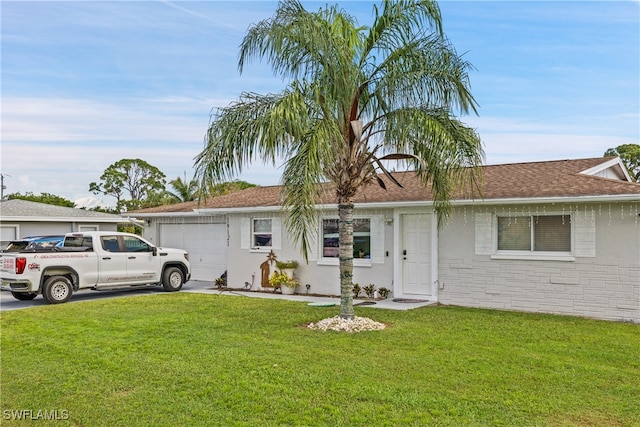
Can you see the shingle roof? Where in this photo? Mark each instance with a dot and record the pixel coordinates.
(549, 179)
(17, 208)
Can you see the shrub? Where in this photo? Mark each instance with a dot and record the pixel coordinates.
(281, 265)
(383, 292)
(369, 290)
(356, 290)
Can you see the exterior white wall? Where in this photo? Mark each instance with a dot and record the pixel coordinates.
(243, 264)
(35, 228)
(204, 237)
(602, 281)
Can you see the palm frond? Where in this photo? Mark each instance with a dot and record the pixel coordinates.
(447, 151)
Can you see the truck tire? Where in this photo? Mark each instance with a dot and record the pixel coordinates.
(24, 296)
(172, 279)
(57, 289)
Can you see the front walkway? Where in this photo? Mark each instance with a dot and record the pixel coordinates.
(325, 301)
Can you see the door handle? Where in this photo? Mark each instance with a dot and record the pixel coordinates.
(404, 252)
(132, 257)
(106, 257)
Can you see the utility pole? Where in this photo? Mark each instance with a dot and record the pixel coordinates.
(2, 186)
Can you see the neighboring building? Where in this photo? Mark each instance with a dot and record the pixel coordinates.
(555, 237)
(22, 218)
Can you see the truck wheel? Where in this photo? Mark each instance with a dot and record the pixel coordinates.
(172, 279)
(24, 296)
(57, 289)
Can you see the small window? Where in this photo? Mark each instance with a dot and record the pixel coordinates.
(78, 242)
(537, 233)
(361, 238)
(134, 244)
(7, 234)
(110, 243)
(262, 233)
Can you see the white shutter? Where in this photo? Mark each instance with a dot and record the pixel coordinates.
(483, 233)
(377, 239)
(8, 233)
(276, 233)
(584, 229)
(245, 232)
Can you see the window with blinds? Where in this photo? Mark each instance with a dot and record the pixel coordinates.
(262, 233)
(537, 233)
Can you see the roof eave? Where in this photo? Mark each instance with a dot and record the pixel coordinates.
(560, 199)
(6, 219)
(429, 203)
(195, 212)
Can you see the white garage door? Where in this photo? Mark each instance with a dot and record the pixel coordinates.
(206, 244)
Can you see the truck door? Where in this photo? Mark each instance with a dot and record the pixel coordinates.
(113, 262)
(142, 265)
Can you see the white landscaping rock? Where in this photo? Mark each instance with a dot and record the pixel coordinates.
(357, 324)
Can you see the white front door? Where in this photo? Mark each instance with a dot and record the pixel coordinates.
(415, 254)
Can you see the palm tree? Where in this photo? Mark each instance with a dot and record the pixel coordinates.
(357, 96)
(185, 191)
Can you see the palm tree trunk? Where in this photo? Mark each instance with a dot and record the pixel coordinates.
(345, 229)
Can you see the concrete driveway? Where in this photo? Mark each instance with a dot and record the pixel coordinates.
(8, 302)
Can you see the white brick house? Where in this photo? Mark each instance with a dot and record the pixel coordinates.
(556, 237)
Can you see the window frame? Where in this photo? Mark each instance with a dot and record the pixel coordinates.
(252, 235)
(108, 248)
(141, 247)
(5, 228)
(357, 262)
(532, 253)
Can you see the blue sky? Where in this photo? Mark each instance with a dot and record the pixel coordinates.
(87, 83)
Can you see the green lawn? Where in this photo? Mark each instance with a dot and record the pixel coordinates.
(195, 360)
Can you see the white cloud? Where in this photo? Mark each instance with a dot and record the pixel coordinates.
(79, 120)
(61, 145)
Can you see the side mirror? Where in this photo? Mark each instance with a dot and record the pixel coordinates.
(154, 250)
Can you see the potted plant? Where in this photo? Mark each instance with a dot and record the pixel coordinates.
(287, 267)
(369, 290)
(383, 292)
(286, 284)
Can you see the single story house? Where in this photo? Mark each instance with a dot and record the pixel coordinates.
(553, 237)
(182, 225)
(22, 218)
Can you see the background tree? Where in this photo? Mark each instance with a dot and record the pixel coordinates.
(358, 95)
(50, 199)
(228, 187)
(630, 156)
(183, 190)
(133, 176)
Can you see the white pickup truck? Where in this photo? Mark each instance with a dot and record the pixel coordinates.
(97, 260)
